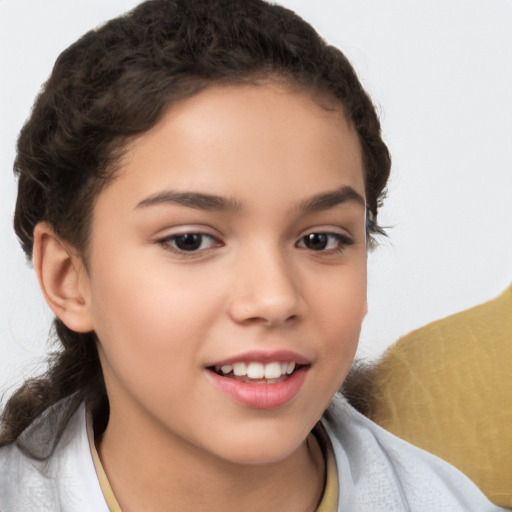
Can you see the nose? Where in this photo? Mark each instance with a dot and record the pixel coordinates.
(266, 290)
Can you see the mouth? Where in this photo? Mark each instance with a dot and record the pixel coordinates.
(255, 372)
(260, 381)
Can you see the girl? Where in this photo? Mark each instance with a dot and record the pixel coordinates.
(199, 182)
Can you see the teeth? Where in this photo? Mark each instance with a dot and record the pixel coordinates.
(226, 368)
(256, 370)
(239, 369)
(272, 371)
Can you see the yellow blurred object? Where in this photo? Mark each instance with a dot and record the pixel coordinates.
(447, 388)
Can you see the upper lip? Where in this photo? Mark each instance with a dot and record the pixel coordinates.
(263, 357)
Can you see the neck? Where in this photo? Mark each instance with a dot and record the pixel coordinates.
(153, 474)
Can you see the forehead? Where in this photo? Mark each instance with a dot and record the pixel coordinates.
(231, 139)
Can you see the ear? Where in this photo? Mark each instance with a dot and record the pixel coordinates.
(63, 279)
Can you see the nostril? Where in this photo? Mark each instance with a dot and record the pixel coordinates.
(271, 321)
(266, 301)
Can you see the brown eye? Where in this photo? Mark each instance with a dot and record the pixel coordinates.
(324, 241)
(189, 242)
(316, 241)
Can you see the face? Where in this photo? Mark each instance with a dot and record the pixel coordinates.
(227, 272)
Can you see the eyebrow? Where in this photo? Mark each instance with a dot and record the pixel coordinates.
(328, 200)
(195, 200)
(211, 202)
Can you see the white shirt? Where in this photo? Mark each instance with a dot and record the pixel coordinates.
(376, 470)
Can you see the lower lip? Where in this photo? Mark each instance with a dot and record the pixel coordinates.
(261, 396)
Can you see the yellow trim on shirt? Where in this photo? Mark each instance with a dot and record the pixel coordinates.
(329, 502)
(108, 495)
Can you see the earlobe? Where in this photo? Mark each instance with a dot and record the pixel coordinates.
(62, 278)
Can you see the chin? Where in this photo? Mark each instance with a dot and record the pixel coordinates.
(261, 446)
(255, 455)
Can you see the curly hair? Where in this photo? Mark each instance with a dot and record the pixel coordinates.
(115, 82)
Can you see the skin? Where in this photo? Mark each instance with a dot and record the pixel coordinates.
(163, 315)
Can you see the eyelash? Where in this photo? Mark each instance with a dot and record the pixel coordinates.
(341, 241)
(197, 239)
(171, 242)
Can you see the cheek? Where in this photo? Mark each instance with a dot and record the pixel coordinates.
(147, 336)
(145, 292)
(145, 313)
(339, 313)
(153, 328)
(339, 298)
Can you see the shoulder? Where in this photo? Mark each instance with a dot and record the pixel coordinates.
(378, 471)
(447, 388)
(44, 472)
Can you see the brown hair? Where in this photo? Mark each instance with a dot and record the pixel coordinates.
(114, 83)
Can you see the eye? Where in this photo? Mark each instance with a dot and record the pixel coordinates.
(189, 242)
(325, 242)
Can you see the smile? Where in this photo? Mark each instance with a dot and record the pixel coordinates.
(260, 381)
(257, 372)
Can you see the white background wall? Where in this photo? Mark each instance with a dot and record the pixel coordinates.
(440, 72)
